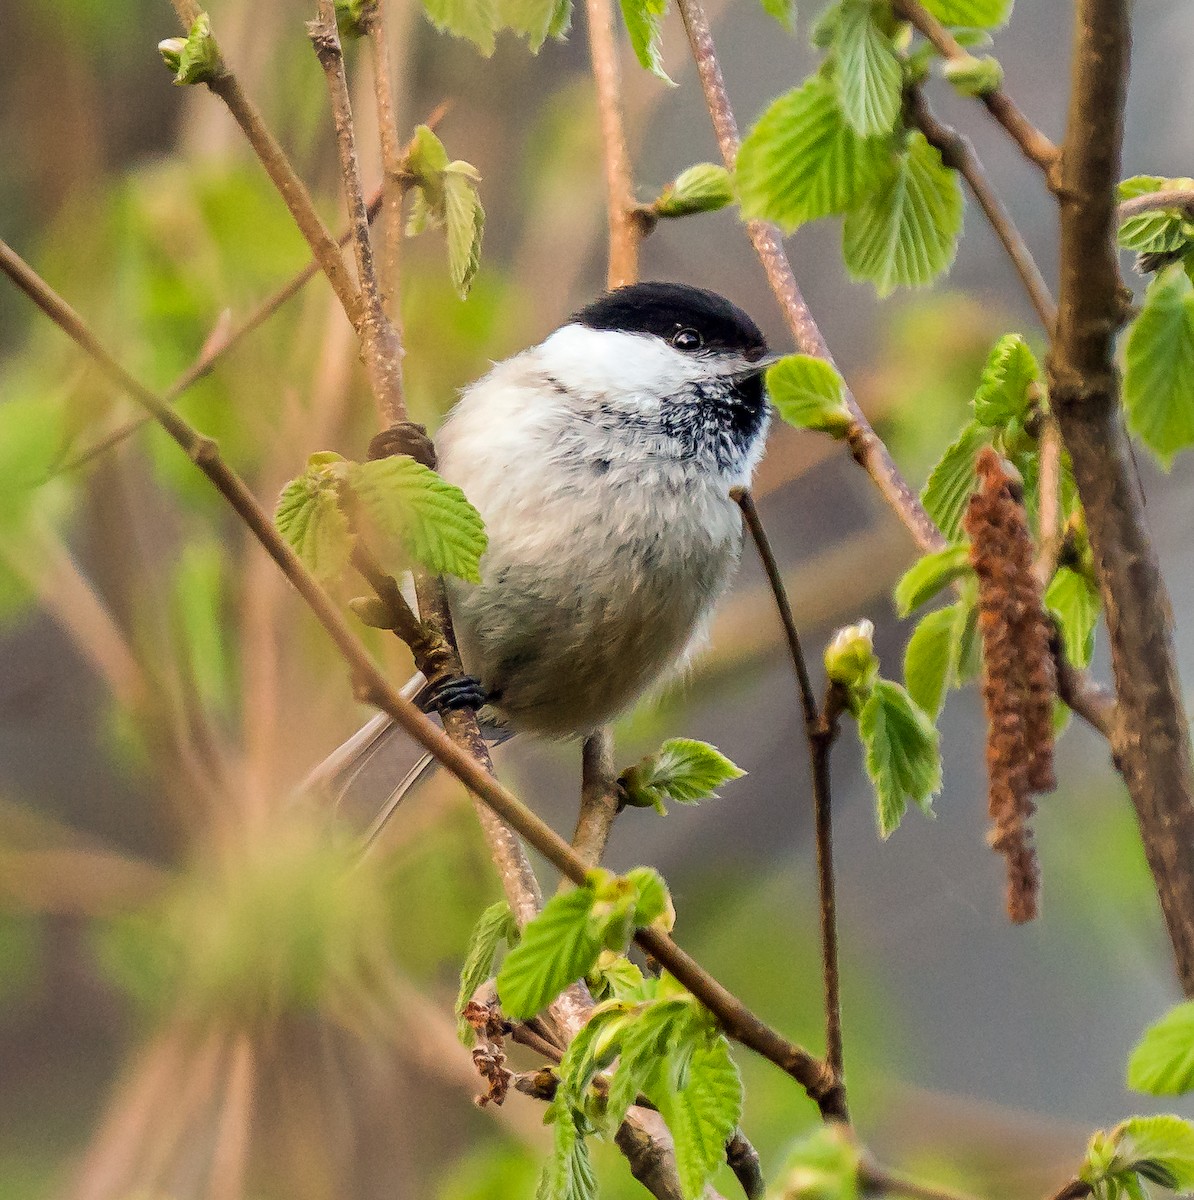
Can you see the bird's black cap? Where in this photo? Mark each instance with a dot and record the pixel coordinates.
(663, 309)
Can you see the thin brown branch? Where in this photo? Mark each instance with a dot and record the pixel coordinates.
(1037, 148)
(1151, 739)
(1049, 531)
(876, 1180)
(215, 348)
(1182, 198)
(958, 152)
(599, 797)
(1074, 1189)
(625, 227)
(743, 1160)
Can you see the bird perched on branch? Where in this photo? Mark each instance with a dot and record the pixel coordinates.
(602, 461)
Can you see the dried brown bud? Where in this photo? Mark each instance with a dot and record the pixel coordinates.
(1019, 680)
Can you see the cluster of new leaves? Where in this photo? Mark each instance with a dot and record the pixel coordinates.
(407, 508)
(901, 744)
(1141, 1150)
(840, 144)
(668, 1049)
(682, 771)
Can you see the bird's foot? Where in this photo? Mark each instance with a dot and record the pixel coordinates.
(453, 693)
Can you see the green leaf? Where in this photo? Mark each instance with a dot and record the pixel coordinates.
(309, 517)
(195, 58)
(1164, 1142)
(703, 1113)
(1004, 390)
(557, 948)
(653, 900)
(568, 1173)
(784, 11)
(464, 219)
(822, 1166)
(868, 76)
(902, 754)
(427, 159)
(643, 19)
(850, 657)
(536, 20)
(1075, 602)
(430, 517)
(802, 160)
(1160, 231)
(681, 770)
(643, 1046)
(930, 655)
(1163, 1063)
(980, 14)
(905, 233)
(1159, 374)
(952, 481)
(475, 20)
(496, 925)
(809, 393)
(703, 187)
(973, 75)
(928, 575)
(352, 17)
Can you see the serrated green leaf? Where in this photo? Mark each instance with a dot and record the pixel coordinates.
(930, 656)
(557, 948)
(653, 899)
(784, 11)
(615, 977)
(427, 158)
(973, 75)
(643, 1045)
(1163, 1141)
(809, 393)
(703, 1112)
(1162, 1064)
(465, 225)
(802, 160)
(868, 77)
(643, 20)
(902, 755)
(905, 232)
(979, 14)
(430, 517)
(309, 517)
(681, 770)
(1074, 600)
(703, 187)
(952, 481)
(1003, 391)
(595, 1046)
(536, 20)
(928, 575)
(475, 20)
(568, 1173)
(1161, 231)
(495, 925)
(1159, 367)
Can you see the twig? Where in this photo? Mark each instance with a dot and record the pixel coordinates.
(1182, 198)
(1074, 1189)
(216, 348)
(820, 727)
(875, 1180)
(599, 798)
(1049, 533)
(958, 152)
(625, 228)
(743, 1160)
(1151, 739)
(1036, 146)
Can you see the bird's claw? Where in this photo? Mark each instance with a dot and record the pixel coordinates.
(453, 693)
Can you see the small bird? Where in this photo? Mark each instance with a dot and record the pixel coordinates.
(602, 462)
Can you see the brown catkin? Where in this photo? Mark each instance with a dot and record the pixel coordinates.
(1019, 681)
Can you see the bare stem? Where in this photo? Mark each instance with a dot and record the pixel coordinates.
(875, 1180)
(1182, 198)
(1037, 148)
(599, 799)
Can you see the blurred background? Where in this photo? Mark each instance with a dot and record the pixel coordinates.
(195, 998)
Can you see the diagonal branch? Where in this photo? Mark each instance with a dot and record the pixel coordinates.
(1151, 738)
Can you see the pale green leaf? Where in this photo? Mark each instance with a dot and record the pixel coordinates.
(979, 14)
(973, 75)
(476, 20)
(784, 11)
(905, 233)
(1004, 390)
(1159, 374)
(802, 160)
(930, 656)
(809, 393)
(652, 900)
(1074, 600)
(197, 59)
(703, 187)
(850, 657)
(557, 948)
(952, 481)
(568, 1173)
(822, 1166)
(1163, 1062)
(867, 75)
(495, 925)
(1163, 1143)
(465, 221)
(427, 157)
(1160, 231)
(929, 574)
(309, 517)
(902, 755)
(643, 19)
(643, 1045)
(536, 20)
(703, 1113)
(429, 516)
(682, 770)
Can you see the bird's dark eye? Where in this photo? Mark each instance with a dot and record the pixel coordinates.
(687, 339)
